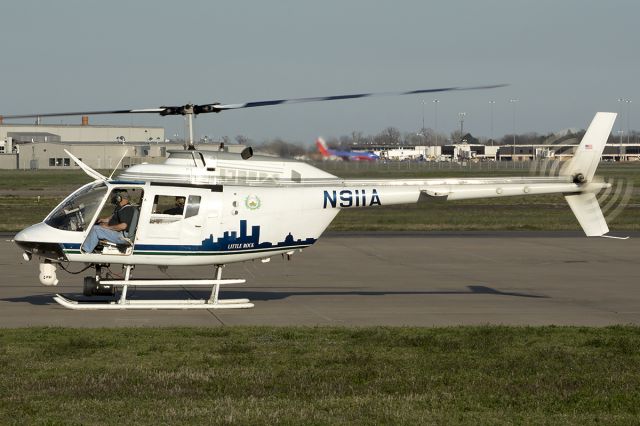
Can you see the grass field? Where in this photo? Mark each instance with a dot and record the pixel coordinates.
(26, 197)
(42, 180)
(263, 375)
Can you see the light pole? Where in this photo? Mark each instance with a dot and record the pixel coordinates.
(628, 102)
(461, 115)
(620, 132)
(491, 104)
(513, 102)
(422, 130)
(435, 104)
(628, 117)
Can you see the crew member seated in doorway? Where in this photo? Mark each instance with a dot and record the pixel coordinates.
(114, 228)
(178, 208)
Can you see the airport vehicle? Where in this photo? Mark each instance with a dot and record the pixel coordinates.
(241, 207)
(329, 153)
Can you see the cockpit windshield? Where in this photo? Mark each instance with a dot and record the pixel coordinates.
(77, 211)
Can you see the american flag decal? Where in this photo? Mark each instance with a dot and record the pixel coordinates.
(588, 146)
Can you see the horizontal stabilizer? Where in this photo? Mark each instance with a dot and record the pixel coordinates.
(587, 210)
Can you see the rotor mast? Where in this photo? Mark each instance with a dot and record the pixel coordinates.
(188, 111)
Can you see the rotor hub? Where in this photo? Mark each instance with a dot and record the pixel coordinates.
(189, 109)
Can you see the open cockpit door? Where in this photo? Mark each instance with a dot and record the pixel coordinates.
(120, 205)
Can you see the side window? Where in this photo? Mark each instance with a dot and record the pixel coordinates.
(193, 206)
(168, 208)
(172, 208)
(168, 204)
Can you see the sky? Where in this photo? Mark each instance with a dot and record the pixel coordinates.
(564, 60)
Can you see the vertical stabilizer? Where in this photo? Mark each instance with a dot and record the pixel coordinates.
(322, 147)
(587, 156)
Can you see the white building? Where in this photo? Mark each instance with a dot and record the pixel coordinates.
(80, 133)
(41, 146)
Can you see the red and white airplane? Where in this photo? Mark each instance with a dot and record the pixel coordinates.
(344, 155)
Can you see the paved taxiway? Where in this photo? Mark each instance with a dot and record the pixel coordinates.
(373, 279)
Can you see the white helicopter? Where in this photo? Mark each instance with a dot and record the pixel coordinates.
(241, 207)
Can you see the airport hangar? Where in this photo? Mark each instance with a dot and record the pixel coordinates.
(41, 146)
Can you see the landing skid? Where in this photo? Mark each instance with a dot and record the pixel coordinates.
(152, 304)
(123, 303)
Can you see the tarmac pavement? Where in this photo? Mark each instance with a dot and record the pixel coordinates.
(364, 279)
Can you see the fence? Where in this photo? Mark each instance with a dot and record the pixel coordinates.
(417, 166)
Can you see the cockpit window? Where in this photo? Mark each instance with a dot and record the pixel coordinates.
(77, 211)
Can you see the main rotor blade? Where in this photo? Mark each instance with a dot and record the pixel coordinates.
(254, 104)
(217, 107)
(67, 114)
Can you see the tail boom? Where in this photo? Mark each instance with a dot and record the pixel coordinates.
(576, 183)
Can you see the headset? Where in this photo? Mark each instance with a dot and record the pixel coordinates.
(117, 197)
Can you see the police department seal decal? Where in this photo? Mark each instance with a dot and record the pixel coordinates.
(252, 202)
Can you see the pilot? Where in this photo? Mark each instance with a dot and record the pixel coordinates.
(178, 208)
(114, 228)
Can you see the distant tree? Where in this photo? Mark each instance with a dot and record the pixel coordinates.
(456, 136)
(345, 142)
(357, 138)
(524, 139)
(426, 135)
(389, 136)
(282, 148)
(333, 143)
(429, 137)
(366, 140)
(415, 139)
(243, 140)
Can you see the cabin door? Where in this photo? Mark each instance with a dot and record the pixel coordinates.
(175, 216)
